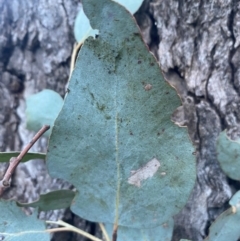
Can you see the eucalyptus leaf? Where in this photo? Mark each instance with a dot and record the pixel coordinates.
(16, 226)
(42, 109)
(228, 152)
(51, 201)
(235, 200)
(5, 156)
(131, 5)
(113, 138)
(226, 226)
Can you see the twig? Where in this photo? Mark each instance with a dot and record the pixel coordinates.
(114, 235)
(105, 234)
(75, 51)
(68, 227)
(14, 161)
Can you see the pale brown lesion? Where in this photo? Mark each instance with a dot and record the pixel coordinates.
(144, 172)
(148, 87)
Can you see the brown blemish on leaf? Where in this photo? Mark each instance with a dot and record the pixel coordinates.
(148, 87)
(144, 172)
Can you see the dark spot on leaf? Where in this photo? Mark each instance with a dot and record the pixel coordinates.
(54, 147)
(167, 93)
(92, 95)
(100, 107)
(130, 132)
(152, 64)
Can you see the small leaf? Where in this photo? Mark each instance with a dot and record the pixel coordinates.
(226, 226)
(151, 234)
(114, 139)
(228, 152)
(235, 200)
(42, 109)
(51, 201)
(131, 5)
(5, 156)
(82, 28)
(16, 226)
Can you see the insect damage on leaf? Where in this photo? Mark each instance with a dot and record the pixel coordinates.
(144, 172)
(148, 87)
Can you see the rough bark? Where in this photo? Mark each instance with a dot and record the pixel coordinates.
(198, 51)
(197, 45)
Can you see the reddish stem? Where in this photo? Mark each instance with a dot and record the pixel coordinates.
(14, 161)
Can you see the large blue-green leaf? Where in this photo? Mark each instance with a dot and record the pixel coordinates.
(42, 109)
(113, 139)
(226, 226)
(51, 201)
(228, 152)
(5, 156)
(16, 226)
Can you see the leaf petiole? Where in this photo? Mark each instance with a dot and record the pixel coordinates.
(69, 227)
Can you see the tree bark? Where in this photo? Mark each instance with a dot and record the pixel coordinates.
(198, 51)
(197, 45)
